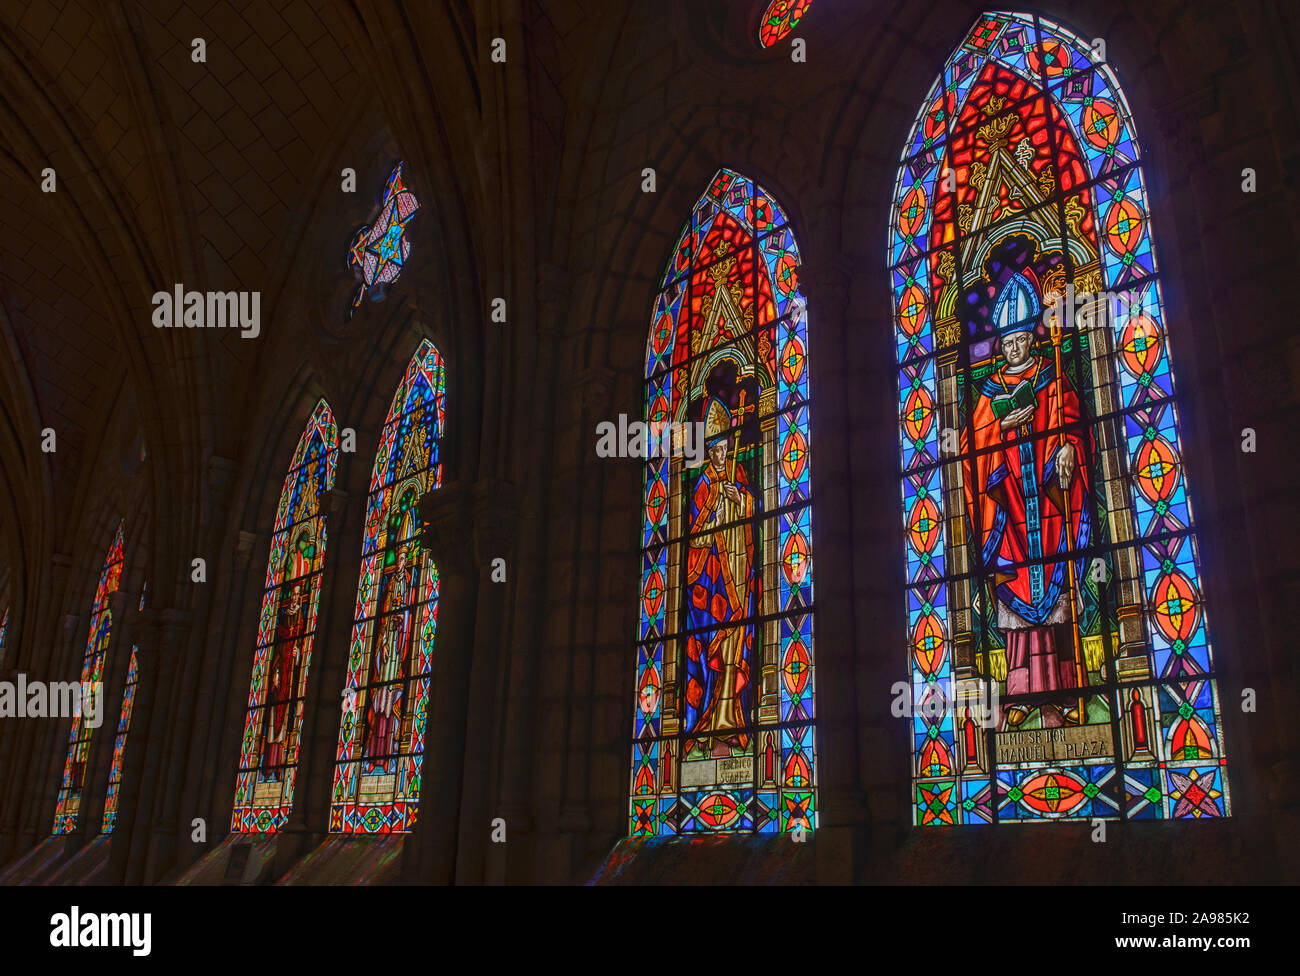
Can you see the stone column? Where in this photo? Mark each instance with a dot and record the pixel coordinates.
(244, 604)
(45, 741)
(430, 852)
(1244, 516)
(839, 563)
(485, 760)
(131, 831)
(573, 821)
(26, 741)
(153, 832)
(501, 746)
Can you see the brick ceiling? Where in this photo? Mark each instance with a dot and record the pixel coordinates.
(197, 167)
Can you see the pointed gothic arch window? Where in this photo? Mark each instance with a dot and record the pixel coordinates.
(723, 723)
(124, 727)
(109, 820)
(386, 691)
(67, 812)
(1050, 546)
(268, 756)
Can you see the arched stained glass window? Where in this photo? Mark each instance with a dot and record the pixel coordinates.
(779, 19)
(1059, 657)
(723, 723)
(381, 737)
(268, 756)
(119, 744)
(68, 811)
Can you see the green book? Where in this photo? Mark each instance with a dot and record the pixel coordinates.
(1021, 395)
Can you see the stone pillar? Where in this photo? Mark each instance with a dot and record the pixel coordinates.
(246, 543)
(131, 831)
(244, 603)
(842, 719)
(1244, 514)
(502, 732)
(429, 855)
(483, 754)
(152, 831)
(496, 523)
(45, 742)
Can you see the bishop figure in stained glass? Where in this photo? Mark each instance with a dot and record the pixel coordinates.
(396, 633)
(723, 588)
(1028, 495)
(284, 673)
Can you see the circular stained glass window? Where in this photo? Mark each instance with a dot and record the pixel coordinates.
(779, 19)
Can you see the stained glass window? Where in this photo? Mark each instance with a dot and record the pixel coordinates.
(68, 811)
(386, 690)
(379, 249)
(779, 19)
(723, 723)
(268, 757)
(119, 744)
(1058, 647)
(4, 633)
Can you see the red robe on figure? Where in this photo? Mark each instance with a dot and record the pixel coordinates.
(286, 658)
(392, 648)
(723, 588)
(1017, 507)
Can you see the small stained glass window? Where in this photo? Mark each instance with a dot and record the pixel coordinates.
(779, 19)
(380, 248)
